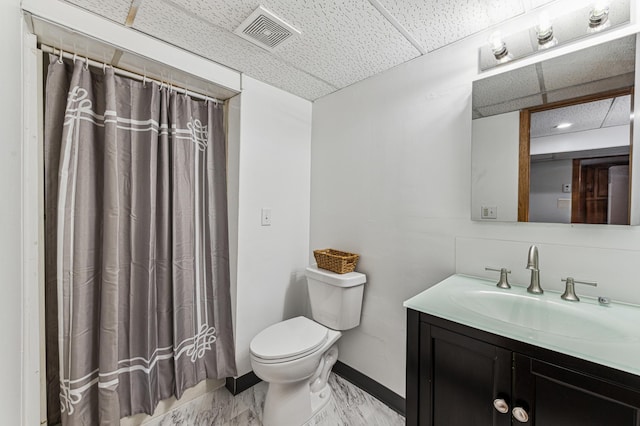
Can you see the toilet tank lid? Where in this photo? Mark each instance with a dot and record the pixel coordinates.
(349, 279)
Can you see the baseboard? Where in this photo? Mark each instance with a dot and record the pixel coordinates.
(367, 384)
(235, 385)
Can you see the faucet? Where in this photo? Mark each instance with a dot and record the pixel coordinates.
(534, 267)
(570, 292)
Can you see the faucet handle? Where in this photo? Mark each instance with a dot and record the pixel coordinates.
(570, 291)
(503, 282)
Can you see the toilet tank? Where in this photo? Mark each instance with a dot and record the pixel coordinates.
(336, 299)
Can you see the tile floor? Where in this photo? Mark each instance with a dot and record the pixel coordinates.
(350, 406)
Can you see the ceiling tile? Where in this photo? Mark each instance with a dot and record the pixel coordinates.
(437, 23)
(599, 86)
(167, 22)
(340, 42)
(116, 10)
(586, 116)
(515, 84)
(620, 112)
(609, 59)
(513, 105)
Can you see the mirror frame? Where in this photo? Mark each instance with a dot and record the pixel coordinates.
(524, 161)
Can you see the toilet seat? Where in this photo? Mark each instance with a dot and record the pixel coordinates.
(288, 340)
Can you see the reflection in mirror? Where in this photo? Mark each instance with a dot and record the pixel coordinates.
(591, 88)
(579, 162)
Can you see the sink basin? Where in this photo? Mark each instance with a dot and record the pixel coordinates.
(607, 335)
(542, 313)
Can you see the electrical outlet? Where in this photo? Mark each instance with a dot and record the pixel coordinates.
(566, 187)
(489, 212)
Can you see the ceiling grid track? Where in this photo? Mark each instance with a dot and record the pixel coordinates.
(398, 26)
(133, 11)
(543, 87)
(604, 119)
(115, 59)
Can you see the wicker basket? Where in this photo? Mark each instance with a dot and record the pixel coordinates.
(335, 260)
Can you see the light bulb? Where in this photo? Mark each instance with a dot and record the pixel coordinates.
(599, 16)
(544, 32)
(495, 41)
(544, 23)
(499, 48)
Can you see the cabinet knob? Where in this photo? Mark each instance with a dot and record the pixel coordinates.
(501, 405)
(520, 414)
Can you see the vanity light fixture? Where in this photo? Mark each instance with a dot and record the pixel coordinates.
(544, 33)
(599, 17)
(499, 48)
(563, 126)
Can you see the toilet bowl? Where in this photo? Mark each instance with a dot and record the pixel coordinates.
(295, 356)
(297, 376)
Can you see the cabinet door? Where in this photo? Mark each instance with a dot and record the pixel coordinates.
(555, 396)
(463, 378)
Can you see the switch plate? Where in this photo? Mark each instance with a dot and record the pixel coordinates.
(566, 187)
(489, 212)
(266, 217)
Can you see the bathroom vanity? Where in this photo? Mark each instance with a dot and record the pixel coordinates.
(481, 355)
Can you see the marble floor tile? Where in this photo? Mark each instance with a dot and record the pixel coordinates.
(349, 406)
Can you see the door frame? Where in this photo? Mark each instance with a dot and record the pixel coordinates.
(33, 389)
(524, 161)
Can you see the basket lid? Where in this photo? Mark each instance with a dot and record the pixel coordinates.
(349, 279)
(293, 337)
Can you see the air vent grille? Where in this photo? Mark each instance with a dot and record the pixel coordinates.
(266, 30)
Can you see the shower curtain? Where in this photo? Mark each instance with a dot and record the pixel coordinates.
(137, 271)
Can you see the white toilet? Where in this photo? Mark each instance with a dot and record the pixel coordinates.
(296, 356)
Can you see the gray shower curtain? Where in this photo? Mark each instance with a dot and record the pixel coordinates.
(137, 272)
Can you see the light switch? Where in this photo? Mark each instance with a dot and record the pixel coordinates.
(489, 212)
(266, 217)
(566, 187)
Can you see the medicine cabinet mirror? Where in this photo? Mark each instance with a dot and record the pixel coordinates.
(552, 141)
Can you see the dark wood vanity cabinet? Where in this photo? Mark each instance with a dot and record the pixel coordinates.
(455, 373)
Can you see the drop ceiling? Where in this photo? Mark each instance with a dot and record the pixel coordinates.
(340, 42)
(586, 116)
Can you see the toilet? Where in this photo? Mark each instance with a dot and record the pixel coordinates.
(295, 356)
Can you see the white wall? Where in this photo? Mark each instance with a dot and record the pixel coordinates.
(391, 180)
(606, 137)
(547, 202)
(11, 212)
(494, 174)
(273, 160)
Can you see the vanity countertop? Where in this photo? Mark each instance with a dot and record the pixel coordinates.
(607, 335)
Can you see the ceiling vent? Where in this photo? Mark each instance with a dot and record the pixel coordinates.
(266, 30)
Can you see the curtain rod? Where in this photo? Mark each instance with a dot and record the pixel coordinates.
(119, 71)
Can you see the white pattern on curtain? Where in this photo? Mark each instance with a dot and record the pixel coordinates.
(136, 245)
